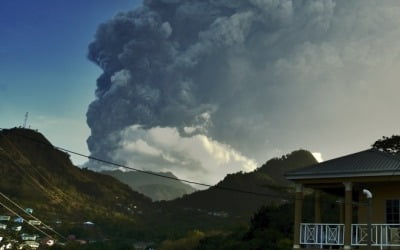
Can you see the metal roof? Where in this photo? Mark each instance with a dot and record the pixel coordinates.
(371, 162)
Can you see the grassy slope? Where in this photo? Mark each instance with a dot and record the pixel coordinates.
(43, 178)
(39, 176)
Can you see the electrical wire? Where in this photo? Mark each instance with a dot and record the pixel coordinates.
(31, 215)
(152, 173)
(279, 197)
(16, 214)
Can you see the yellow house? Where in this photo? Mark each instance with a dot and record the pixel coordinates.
(368, 183)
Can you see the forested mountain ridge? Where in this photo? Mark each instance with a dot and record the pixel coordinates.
(44, 173)
(37, 175)
(268, 179)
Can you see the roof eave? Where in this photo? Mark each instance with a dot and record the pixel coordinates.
(340, 175)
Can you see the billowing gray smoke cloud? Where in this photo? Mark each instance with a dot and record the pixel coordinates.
(255, 77)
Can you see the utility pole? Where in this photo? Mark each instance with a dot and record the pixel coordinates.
(26, 119)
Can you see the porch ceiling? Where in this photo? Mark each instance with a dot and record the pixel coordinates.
(336, 189)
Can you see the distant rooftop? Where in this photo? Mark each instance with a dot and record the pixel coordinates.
(371, 162)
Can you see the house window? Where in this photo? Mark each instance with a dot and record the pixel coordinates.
(393, 211)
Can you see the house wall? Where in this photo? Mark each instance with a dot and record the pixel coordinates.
(381, 192)
(382, 187)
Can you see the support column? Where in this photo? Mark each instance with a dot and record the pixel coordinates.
(298, 214)
(348, 214)
(341, 211)
(317, 206)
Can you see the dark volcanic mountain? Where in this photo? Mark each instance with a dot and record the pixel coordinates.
(155, 187)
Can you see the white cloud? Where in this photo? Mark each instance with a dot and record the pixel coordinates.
(196, 157)
(318, 156)
(142, 147)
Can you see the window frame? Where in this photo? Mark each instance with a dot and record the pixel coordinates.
(392, 211)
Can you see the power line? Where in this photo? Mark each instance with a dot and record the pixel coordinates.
(169, 177)
(280, 197)
(16, 214)
(31, 178)
(151, 173)
(36, 182)
(31, 215)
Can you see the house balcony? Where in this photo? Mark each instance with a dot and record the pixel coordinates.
(367, 185)
(331, 236)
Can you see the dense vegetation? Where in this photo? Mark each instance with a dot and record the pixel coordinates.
(36, 175)
(267, 183)
(388, 144)
(64, 196)
(271, 227)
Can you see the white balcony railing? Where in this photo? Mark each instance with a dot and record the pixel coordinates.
(382, 235)
(321, 234)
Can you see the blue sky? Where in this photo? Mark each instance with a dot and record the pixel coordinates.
(43, 65)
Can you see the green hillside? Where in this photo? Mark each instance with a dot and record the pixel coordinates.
(268, 179)
(36, 175)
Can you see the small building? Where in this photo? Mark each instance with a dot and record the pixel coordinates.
(81, 242)
(34, 222)
(5, 218)
(3, 226)
(29, 237)
(88, 223)
(30, 243)
(16, 228)
(9, 245)
(368, 185)
(29, 210)
(19, 220)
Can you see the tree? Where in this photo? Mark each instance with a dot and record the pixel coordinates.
(191, 241)
(388, 144)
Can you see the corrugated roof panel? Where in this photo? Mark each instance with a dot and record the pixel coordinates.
(367, 161)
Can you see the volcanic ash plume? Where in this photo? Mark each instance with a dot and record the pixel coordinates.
(204, 88)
